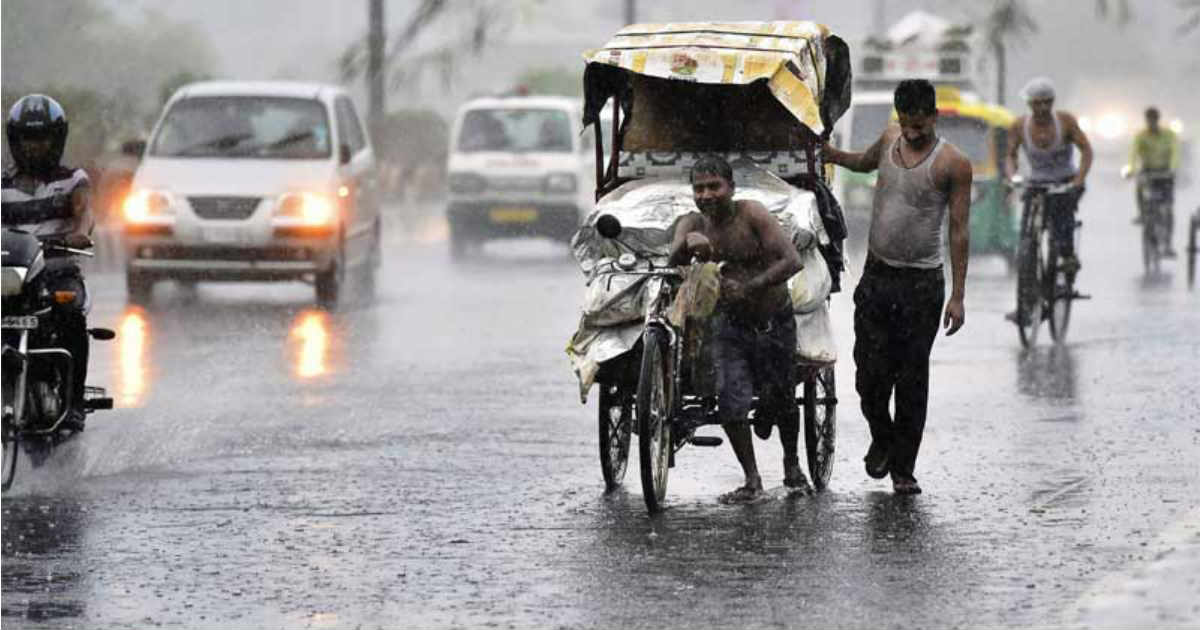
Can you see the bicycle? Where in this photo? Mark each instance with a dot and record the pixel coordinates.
(1154, 191)
(648, 393)
(1045, 286)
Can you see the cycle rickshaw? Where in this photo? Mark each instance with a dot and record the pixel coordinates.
(761, 95)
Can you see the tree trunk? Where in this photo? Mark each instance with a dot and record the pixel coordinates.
(375, 44)
(1001, 70)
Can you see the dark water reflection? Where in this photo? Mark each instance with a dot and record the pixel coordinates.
(41, 578)
(1047, 372)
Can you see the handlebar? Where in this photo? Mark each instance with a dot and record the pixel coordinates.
(1018, 182)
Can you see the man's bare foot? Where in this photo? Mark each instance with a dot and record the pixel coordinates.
(743, 495)
(794, 478)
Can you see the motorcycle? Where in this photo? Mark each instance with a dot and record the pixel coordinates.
(38, 392)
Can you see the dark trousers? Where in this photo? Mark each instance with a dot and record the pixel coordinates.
(896, 316)
(1060, 211)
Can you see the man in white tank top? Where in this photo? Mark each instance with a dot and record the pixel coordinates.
(1049, 139)
(898, 301)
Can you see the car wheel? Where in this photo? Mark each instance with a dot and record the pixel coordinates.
(329, 282)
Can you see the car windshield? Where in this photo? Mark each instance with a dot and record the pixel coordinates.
(509, 129)
(968, 134)
(867, 124)
(245, 127)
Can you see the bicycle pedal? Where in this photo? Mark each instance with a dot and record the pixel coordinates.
(705, 440)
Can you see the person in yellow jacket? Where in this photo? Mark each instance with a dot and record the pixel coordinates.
(1155, 151)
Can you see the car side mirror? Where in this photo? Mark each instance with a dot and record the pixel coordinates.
(133, 148)
(344, 154)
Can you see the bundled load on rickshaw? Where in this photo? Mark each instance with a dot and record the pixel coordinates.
(761, 95)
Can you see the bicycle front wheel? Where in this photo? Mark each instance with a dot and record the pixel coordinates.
(1063, 289)
(1029, 282)
(653, 418)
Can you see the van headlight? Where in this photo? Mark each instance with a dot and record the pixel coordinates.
(148, 206)
(306, 208)
(560, 183)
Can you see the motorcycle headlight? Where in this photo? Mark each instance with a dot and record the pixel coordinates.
(465, 183)
(146, 206)
(307, 208)
(12, 280)
(560, 182)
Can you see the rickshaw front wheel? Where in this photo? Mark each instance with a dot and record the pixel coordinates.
(820, 424)
(653, 418)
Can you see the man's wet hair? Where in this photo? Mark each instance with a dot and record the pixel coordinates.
(1152, 112)
(915, 97)
(711, 164)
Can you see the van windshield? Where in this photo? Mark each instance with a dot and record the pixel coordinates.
(518, 130)
(244, 127)
(968, 134)
(867, 123)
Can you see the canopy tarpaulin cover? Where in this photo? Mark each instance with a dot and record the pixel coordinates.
(805, 66)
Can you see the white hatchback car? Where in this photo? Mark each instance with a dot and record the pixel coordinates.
(262, 180)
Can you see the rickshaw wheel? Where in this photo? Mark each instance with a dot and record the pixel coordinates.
(653, 418)
(820, 425)
(614, 424)
(11, 448)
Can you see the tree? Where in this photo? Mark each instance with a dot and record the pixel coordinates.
(1009, 20)
(437, 37)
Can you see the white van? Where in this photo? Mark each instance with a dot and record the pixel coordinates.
(869, 115)
(254, 180)
(518, 166)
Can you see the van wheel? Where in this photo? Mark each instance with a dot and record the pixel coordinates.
(139, 287)
(329, 282)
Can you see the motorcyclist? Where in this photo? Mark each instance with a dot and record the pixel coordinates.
(1155, 150)
(1050, 138)
(49, 200)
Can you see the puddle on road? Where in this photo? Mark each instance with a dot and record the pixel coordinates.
(133, 335)
(310, 335)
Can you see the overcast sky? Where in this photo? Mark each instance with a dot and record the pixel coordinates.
(1089, 58)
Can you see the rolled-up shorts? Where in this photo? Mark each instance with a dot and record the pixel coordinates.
(755, 359)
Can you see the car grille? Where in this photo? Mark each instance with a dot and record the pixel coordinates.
(223, 207)
(515, 184)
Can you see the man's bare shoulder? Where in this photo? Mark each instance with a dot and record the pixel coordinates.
(952, 162)
(754, 211)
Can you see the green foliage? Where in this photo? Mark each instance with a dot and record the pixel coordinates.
(557, 81)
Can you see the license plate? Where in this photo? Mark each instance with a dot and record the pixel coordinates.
(226, 236)
(21, 322)
(513, 215)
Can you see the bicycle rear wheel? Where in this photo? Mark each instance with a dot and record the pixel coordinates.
(615, 422)
(820, 425)
(653, 418)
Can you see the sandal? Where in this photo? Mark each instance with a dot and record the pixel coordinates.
(742, 496)
(794, 478)
(905, 486)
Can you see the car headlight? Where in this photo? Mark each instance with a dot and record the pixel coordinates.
(145, 206)
(560, 183)
(307, 208)
(464, 183)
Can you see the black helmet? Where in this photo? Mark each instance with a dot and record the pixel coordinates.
(36, 116)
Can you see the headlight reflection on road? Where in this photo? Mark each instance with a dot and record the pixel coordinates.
(132, 337)
(311, 332)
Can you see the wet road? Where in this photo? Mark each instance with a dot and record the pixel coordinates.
(424, 461)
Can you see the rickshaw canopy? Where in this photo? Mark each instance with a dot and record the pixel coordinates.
(805, 67)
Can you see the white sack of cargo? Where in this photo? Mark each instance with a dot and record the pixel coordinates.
(814, 336)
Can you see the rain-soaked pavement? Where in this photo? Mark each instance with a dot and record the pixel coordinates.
(424, 461)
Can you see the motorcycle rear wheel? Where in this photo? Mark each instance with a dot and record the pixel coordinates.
(11, 447)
